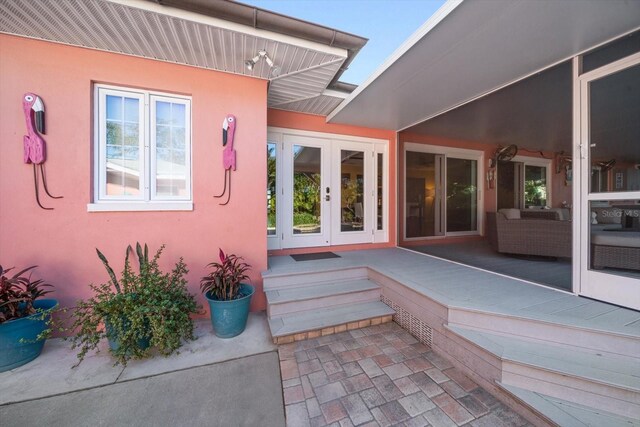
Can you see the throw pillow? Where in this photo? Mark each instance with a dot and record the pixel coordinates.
(510, 213)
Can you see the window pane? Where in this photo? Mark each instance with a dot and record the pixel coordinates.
(614, 226)
(352, 206)
(380, 185)
(171, 143)
(163, 113)
(131, 110)
(614, 132)
(421, 194)
(271, 189)
(114, 107)
(306, 189)
(462, 195)
(122, 146)
(535, 186)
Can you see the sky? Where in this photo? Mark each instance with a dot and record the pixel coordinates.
(386, 23)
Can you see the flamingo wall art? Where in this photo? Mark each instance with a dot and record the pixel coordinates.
(34, 146)
(228, 154)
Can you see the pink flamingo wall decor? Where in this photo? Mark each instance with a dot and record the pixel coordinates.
(228, 154)
(34, 146)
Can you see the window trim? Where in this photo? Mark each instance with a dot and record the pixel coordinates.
(146, 201)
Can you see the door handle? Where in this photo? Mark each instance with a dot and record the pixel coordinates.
(327, 197)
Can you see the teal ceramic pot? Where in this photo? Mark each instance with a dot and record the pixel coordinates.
(229, 318)
(114, 343)
(18, 343)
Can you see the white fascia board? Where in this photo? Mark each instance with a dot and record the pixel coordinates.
(335, 93)
(231, 26)
(430, 24)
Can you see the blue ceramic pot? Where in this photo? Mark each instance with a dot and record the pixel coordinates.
(114, 342)
(18, 343)
(229, 318)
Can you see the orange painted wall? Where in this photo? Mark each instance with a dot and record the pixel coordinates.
(560, 192)
(310, 122)
(62, 242)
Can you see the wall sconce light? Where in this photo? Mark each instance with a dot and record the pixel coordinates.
(250, 63)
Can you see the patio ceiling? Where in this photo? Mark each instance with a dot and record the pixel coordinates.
(212, 35)
(470, 48)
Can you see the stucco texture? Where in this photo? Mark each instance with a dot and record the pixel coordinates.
(62, 242)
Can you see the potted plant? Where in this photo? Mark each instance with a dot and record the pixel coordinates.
(24, 317)
(229, 299)
(143, 309)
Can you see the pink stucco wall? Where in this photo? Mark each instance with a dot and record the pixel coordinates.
(61, 242)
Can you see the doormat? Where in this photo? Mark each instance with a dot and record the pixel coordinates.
(314, 257)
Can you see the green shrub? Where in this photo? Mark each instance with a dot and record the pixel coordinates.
(147, 304)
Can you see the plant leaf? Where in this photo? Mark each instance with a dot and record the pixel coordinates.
(114, 280)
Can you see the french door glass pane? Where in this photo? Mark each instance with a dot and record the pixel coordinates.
(615, 132)
(171, 149)
(271, 189)
(462, 195)
(535, 186)
(306, 189)
(122, 146)
(352, 206)
(420, 187)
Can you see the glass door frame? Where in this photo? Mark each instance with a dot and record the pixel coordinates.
(290, 239)
(277, 136)
(445, 152)
(589, 282)
(339, 237)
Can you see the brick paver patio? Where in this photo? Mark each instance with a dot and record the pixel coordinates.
(381, 376)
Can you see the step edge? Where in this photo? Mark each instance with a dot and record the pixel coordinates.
(506, 357)
(373, 287)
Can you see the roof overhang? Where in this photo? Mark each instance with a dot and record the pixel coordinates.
(216, 35)
(470, 48)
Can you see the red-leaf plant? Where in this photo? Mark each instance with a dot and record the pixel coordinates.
(18, 292)
(223, 282)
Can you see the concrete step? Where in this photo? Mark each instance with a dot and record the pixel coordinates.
(568, 414)
(272, 281)
(606, 382)
(548, 330)
(321, 295)
(323, 318)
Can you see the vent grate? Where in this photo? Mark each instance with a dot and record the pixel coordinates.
(416, 327)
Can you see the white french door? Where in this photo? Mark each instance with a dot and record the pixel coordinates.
(307, 192)
(610, 214)
(324, 190)
(352, 182)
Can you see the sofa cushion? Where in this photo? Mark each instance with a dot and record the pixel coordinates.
(510, 213)
(628, 239)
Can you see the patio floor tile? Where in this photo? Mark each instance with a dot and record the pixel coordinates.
(330, 392)
(381, 376)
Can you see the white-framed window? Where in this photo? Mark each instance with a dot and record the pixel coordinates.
(142, 150)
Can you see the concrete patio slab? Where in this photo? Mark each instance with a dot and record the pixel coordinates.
(54, 375)
(241, 392)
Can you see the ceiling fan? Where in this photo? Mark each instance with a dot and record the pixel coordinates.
(503, 154)
(605, 166)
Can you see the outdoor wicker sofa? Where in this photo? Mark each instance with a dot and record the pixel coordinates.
(529, 236)
(616, 249)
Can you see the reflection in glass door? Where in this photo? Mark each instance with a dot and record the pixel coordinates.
(610, 183)
(352, 180)
(462, 195)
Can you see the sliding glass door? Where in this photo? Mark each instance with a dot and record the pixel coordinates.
(441, 194)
